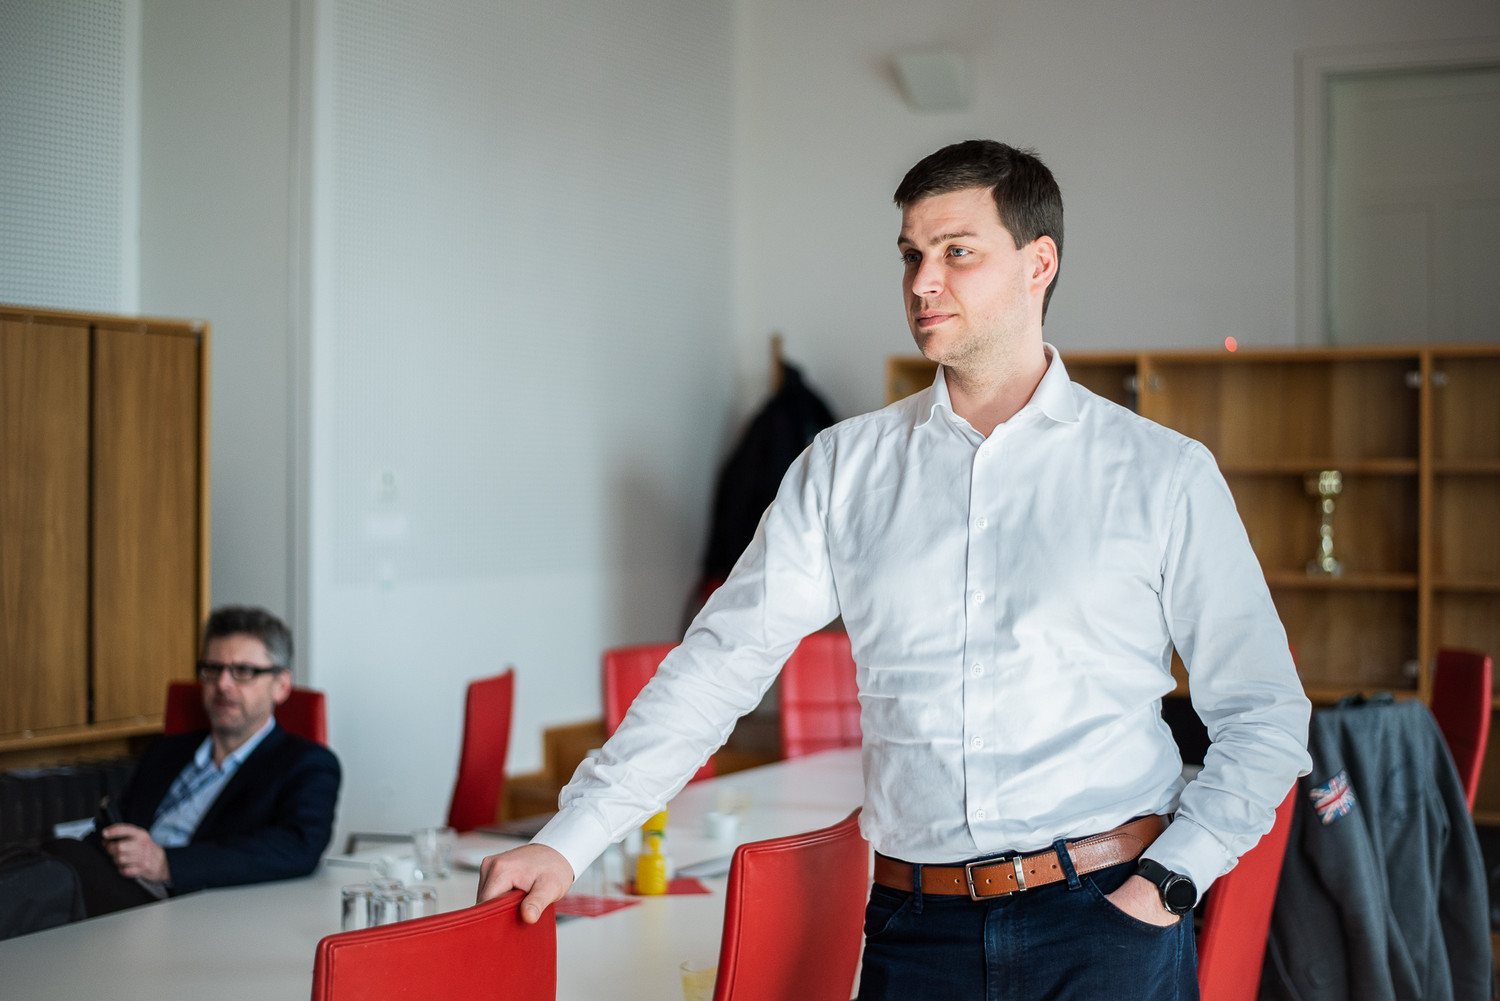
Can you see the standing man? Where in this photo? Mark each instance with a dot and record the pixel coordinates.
(244, 802)
(1015, 560)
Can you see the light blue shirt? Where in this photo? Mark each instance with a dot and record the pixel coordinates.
(195, 789)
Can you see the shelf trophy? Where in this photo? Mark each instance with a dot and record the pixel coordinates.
(1325, 485)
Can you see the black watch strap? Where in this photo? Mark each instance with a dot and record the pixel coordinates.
(1178, 894)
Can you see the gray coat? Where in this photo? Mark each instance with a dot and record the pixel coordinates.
(1382, 895)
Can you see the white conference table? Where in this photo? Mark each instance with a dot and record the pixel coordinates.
(257, 943)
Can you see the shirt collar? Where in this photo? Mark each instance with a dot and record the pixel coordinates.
(204, 755)
(1053, 395)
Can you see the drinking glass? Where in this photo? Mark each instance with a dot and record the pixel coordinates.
(358, 898)
(433, 848)
(735, 799)
(424, 900)
(390, 905)
(698, 980)
(590, 882)
(612, 869)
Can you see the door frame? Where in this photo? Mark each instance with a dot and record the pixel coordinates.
(1315, 69)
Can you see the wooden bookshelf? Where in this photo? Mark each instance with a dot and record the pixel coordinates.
(1415, 434)
(1464, 571)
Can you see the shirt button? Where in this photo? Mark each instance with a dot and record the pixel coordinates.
(979, 597)
(982, 524)
(977, 670)
(978, 814)
(978, 742)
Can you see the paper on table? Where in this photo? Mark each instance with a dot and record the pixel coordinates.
(470, 857)
(708, 868)
(368, 857)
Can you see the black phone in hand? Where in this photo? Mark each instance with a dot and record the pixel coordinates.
(108, 814)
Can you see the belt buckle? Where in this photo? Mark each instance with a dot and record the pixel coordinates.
(1015, 864)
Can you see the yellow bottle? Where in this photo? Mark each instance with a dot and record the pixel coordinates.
(651, 866)
(656, 823)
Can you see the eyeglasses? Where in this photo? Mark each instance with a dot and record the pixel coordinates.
(209, 671)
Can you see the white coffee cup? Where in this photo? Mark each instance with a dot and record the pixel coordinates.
(401, 868)
(720, 826)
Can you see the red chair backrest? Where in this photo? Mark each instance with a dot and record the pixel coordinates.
(1237, 916)
(1461, 686)
(305, 711)
(819, 696)
(780, 943)
(626, 671)
(480, 952)
(481, 761)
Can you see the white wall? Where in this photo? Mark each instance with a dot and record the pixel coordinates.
(216, 243)
(1170, 124)
(519, 357)
(69, 169)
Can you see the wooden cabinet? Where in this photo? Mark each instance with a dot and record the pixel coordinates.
(44, 524)
(1414, 433)
(103, 525)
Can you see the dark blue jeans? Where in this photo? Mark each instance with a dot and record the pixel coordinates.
(1060, 942)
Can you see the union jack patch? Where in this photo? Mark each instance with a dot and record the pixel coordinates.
(1334, 798)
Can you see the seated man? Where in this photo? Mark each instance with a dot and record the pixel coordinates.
(244, 802)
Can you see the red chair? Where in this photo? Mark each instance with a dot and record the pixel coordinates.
(626, 671)
(819, 696)
(804, 945)
(1461, 687)
(304, 712)
(481, 952)
(1237, 916)
(481, 762)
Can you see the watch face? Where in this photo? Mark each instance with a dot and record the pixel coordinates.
(1179, 894)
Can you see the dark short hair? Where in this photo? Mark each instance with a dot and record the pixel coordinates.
(1025, 191)
(235, 620)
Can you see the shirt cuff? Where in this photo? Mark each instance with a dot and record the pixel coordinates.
(1191, 850)
(575, 834)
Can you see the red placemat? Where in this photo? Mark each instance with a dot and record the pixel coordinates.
(682, 884)
(586, 905)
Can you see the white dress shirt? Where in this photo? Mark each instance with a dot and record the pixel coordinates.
(1012, 602)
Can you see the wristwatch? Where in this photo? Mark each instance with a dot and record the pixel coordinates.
(1178, 894)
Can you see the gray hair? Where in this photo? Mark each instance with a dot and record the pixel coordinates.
(234, 620)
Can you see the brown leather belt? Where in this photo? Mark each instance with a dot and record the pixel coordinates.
(995, 877)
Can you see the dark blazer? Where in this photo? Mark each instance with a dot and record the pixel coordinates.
(272, 820)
